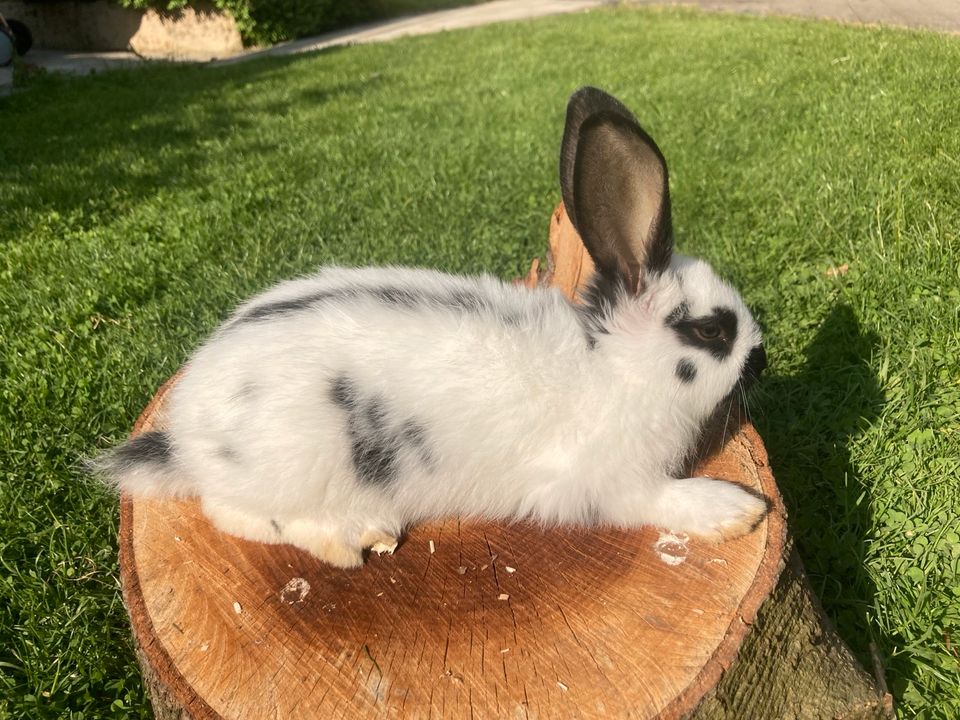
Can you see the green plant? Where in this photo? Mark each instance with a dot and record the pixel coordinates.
(263, 22)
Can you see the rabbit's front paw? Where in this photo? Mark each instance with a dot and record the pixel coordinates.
(712, 509)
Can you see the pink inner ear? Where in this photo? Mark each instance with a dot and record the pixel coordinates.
(623, 206)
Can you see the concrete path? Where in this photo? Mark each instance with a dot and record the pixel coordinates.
(80, 63)
(464, 17)
(941, 15)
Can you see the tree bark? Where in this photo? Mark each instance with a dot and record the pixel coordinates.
(481, 620)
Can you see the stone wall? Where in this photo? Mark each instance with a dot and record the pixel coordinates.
(194, 33)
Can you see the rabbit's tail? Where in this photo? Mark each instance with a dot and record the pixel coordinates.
(143, 465)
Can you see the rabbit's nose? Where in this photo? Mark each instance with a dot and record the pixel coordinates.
(756, 361)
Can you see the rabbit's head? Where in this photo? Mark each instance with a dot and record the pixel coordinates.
(674, 326)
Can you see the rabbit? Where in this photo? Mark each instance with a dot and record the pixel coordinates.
(334, 411)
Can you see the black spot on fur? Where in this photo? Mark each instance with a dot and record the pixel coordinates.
(377, 444)
(467, 301)
(375, 459)
(152, 447)
(686, 371)
(276, 527)
(472, 303)
(677, 314)
(376, 413)
(715, 332)
(375, 449)
(457, 300)
(413, 433)
(598, 303)
(343, 393)
(285, 307)
(397, 296)
(415, 436)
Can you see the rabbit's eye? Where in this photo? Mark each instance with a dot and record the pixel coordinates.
(715, 333)
(708, 332)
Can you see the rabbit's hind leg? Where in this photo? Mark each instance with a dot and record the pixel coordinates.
(241, 523)
(328, 542)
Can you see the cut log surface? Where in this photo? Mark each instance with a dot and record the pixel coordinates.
(487, 620)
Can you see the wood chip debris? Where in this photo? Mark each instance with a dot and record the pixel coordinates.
(294, 591)
(236, 608)
(503, 596)
(510, 569)
(561, 686)
(462, 570)
(433, 548)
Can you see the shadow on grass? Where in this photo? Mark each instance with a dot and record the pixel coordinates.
(80, 144)
(808, 422)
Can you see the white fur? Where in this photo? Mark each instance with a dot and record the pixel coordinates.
(518, 416)
(521, 421)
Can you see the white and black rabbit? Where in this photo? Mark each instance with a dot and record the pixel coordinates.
(333, 411)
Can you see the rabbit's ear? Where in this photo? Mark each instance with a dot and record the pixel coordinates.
(613, 179)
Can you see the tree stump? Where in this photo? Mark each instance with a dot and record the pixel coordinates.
(488, 620)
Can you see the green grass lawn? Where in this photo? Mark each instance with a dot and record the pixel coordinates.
(138, 207)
